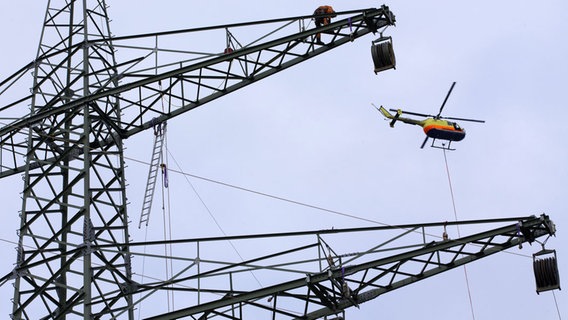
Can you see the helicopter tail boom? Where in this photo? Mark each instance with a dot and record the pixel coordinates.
(389, 115)
(397, 117)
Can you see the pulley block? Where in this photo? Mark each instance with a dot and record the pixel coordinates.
(546, 273)
(383, 54)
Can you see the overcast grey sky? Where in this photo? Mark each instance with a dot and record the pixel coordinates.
(317, 140)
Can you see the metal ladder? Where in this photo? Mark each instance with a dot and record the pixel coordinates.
(152, 177)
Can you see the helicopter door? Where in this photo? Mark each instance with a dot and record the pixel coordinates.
(383, 54)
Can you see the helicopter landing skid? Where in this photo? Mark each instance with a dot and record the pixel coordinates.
(442, 145)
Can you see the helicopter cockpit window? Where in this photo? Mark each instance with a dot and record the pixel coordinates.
(455, 125)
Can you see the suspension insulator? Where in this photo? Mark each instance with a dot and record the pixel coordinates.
(383, 54)
(545, 268)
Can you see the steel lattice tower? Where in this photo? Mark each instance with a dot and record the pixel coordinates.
(78, 199)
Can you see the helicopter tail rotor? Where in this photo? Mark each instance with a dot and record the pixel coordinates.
(396, 116)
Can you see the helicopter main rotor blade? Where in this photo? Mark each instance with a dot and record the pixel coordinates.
(463, 119)
(445, 100)
(413, 113)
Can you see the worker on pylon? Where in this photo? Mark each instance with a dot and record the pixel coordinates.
(323, 21)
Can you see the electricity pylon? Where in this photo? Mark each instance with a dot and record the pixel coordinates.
(74, 251)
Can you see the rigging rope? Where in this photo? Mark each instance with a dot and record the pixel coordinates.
(142, 275)
(161, 129)
(167, 221)
(211, 215)
(166, 209)
(459, 235)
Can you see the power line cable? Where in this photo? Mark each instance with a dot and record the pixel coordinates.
(271, 196)
(295, 202)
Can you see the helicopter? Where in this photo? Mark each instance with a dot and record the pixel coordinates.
(435, 127)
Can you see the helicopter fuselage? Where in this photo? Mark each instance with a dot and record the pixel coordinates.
(443, 129)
